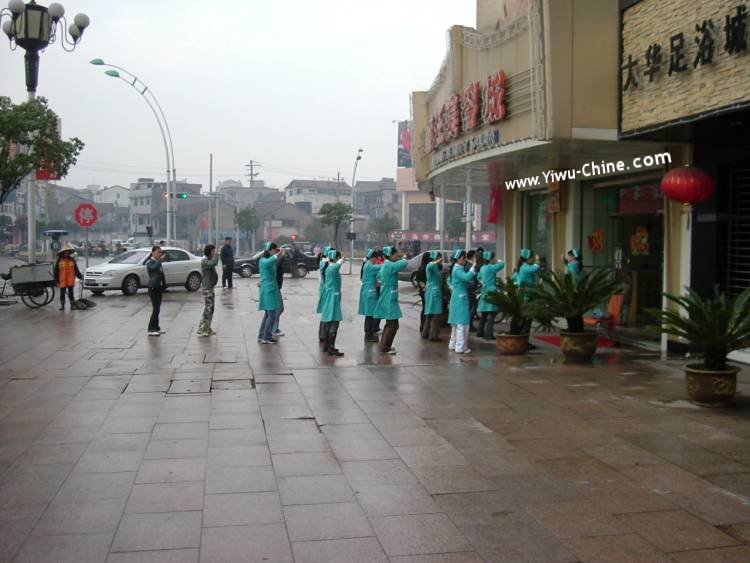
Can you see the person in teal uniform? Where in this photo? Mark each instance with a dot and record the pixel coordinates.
(433, 297)
(368, 294)
(574, 264)
(387, 307)
(322, 265)
(459, 313)
(527, 275)
(331, 308)
(270, 296)
(488, 278)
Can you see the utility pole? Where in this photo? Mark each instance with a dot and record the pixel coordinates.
(251, 165)
(210, 196)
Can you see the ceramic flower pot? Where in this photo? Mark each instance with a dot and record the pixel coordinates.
(710, 388)
(512, 344)
(578, 346)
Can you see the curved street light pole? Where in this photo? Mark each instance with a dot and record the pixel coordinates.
(351, 222)
(139, 86)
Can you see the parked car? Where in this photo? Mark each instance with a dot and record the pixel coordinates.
(409, 273)
(126, 272)
(297, 263)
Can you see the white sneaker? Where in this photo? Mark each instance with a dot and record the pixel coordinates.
(467, 351)
(391, 352)
(162, 331)
(154, 333)
(278, 333)
(203, 334)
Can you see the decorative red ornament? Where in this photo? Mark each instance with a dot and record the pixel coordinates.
(688, 185)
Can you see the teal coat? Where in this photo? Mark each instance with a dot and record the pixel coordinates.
(460, 310)
(331, 306)
(526, 275)
(488, 277)
(387, 307)
(270, 296)
(574, 269)
(321, 287)
(433, 293)
(368, 293)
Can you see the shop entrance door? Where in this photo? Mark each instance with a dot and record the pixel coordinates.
(624, 228)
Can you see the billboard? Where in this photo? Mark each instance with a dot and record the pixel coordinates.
(404, 156)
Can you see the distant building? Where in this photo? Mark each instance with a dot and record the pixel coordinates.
(118, 196)
(317, 193)
(148, 205)
(281, 220)
(246, 196)
(377, 199)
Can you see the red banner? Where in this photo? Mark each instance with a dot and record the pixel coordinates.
(496, 193)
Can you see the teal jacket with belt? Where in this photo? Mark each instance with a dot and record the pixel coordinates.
(270, 297)
(388, 307)
(331, 306)
(488, 277)
(526, 275)
(368, 293)
(321, 288)
(574, 269)
(433, 293)
(460, 309)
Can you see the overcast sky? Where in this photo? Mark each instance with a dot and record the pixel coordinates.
(297, 85)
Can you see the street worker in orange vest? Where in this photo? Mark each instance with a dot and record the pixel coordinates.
(66, 271)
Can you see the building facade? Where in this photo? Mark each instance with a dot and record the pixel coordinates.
(523, 118)
(313, 194)
(118, 196)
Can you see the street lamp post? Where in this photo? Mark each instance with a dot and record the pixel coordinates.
(351, 222)
(33, 27)
(139, 86)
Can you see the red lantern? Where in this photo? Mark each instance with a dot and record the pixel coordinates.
(688, 185)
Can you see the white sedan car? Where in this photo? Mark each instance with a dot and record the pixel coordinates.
(127, 271)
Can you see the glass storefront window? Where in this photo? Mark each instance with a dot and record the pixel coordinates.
(622, 228)
(537, 227)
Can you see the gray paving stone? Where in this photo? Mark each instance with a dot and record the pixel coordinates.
(97, 486)
(234, 456)
(297, 465)
(109, 462)
(176, 449)
(162, 556)
(365, 550)
(166, 497)
(77, 516)
(419, 534)
(390, 500)
(315, 489)
(230, 544)
(326, 521)
(240, 480)
(172, 470)
(168, 530)
(380, 472)
(81, 548)
(242, 509)
(180, 430)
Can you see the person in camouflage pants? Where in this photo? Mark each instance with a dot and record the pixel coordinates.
(210, 278)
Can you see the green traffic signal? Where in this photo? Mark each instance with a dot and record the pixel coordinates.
(183, 195)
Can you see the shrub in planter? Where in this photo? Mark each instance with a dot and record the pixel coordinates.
(513, 305)
(715, 326)
(559, 295)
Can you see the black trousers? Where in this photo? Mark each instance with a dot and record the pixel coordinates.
(155, 296)
(371, 325)
(70, 293)
(226, 275)
(486, 325)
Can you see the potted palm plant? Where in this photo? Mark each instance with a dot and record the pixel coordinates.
(716, 326)
(560, 295)
(513, 305)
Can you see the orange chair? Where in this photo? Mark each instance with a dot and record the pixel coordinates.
(612, 317)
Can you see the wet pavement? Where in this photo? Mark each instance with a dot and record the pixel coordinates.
(119, 447)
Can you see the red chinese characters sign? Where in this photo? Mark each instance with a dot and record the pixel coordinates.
(475, 105)
(86, 215)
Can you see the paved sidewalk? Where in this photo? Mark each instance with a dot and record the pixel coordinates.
(118, 447)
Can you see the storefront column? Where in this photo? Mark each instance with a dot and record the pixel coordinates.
(441, 208)
(468, 211)
(404, 212)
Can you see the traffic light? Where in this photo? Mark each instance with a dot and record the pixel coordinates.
(166, 195)
(183, 195)
(294, 237)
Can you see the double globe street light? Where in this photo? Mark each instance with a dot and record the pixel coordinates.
(148, 96)
(34, 27)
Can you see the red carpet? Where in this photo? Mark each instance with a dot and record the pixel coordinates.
(601, 342)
